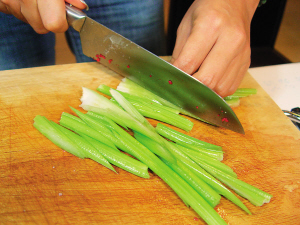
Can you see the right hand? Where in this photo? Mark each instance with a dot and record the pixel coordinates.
(42, 15)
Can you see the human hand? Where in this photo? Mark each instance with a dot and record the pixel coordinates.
(213, 43)
(42, 15)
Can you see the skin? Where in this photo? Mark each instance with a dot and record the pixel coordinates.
(212, 44)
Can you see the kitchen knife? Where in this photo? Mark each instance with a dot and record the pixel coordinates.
(150, 71)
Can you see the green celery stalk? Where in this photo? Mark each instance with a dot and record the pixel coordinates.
(96, 125)
(119, 159)
(210, 195)
(233, 102)
(242, 92)
(200, 158)
(204, 190)
(184, 139)
(133, 98)
(129, 108)
(256, 196)
(152, 109)
(76, 126)
(119, 114)
(206, 177)
(158, 112)
(88, 149)
(43, 125)
(128, 86)
(184, 191)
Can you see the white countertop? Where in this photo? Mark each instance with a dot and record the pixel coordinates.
(281, 82)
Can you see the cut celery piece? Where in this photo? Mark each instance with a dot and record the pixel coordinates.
(43, 125)
(106, 90)
(205, 191)
(218, 155)
(233, 102)
(210, 195)
(184, 191)
(120, 114)
(256, 196)
(76, 126)
(132, 88)
(96, 125)
(200, 158)
(129, 108)
(158, 112)
(86, 147)
(184, 139)
(153, 110)
(119, 159)
(205, 176)
(242, 92)
(91, 99)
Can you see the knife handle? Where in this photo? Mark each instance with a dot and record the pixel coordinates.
(75, 17)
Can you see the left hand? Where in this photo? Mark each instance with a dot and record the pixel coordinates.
(213, 43)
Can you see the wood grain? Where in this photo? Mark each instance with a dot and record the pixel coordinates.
(41, 184)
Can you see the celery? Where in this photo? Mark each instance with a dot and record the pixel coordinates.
(233, 102)
(153, 110)
(200, 158)
(129, 108)
(256, 196)
(204, 190)
(132, 88)
(119, 159)
(119, 114)
(242, 92)
(73, 124)
(184, 191)
(133, 98)
(210, 195)
(184, 139)
(88, 149)
(43, 125)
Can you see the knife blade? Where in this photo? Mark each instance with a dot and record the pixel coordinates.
(150, 71)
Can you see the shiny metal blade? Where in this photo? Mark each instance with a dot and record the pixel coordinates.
(155, 74)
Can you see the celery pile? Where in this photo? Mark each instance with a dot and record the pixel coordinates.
(192, 168)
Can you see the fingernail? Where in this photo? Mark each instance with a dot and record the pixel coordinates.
(87, 7)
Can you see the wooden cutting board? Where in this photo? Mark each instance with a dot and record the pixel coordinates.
(42, 184)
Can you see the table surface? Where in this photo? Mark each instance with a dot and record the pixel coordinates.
(281, 82)
(41, 184)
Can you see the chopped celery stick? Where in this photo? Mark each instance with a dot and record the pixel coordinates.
(205, 176)
(210, 195)
(76, 126)
(158, 112)
(120, 159)
(43, 125)
(106, 90)
(213, 154)
(86, 147)
(153, 110)
(184, 139)
(132, 88)
(205, 191)
(91, 98)
(233, 102)
(256, 196)
(184, 191)
(243, 92)
(129, 108)
(109, 110)
(101, 128)
(199, 158)
(73, 117)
